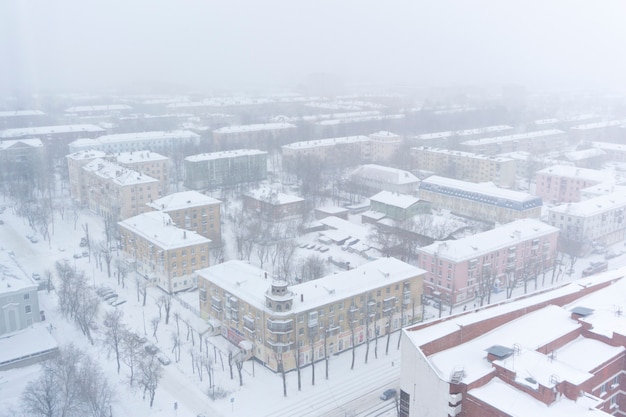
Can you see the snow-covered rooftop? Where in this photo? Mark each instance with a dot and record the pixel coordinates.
(326, 142)
(482, 243)
(334, 122)
(517, 136)
(90, 154)
(610, 146)
(154, 135)
(158, 228)
(593, 206)
(599, 125)
(464, 154)
(21, 113)
(47, 130)
(26, 343)
(117, 173)
(352, 229)
(98, 108)
(514, 402)
(575, 172)
(139, 156)
(224, 154)
(542, 122)
(485, 188)
(584, 154)
(273, 197)
(395, 199)
(33, 143)
(255, 127)
(466, 132)
(248, 282)
(183, 200)
(384, 174)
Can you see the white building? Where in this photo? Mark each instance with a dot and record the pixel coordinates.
(139, 141)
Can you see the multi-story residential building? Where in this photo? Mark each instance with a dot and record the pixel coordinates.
(384, 145)
(592, 158)
(614, 151)
(263, 136)
(599, 220)
(334, 152)
(163, 253)
(313, 319)
(115, 192)
(398, 206)
(148, 163)
(559, 353)
(19, 303)
(357, 125)
(193, 211)
(534, 142)
(273, 205)
(225, 169)
(371, 178)
(164, 142)
(458, 271)
(600, 131)
(479, 201)
(75, 163)
(21, 118)
(465, 165)
(452, 138)
(562, 183)
(20, 159)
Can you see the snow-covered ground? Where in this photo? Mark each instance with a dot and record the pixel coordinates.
(346, 392)
(262, 392)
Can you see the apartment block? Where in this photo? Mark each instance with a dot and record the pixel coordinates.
(276, 320)
(75, 163)
(191, 210)
(465, 166)
(559, 353)
(263, 136)
(166, 255)
(20, 159)
(225, 169)
(334, 152)
(273, 205)
(458, 271)
(156, 141)
(599, 220)
(384, 145)
(115, 192)
(479, 201)
(535, 142)
(148, 163)
(562, 183)
(371, 178)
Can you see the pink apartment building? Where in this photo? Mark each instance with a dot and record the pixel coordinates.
(458, 271)
(562, 183)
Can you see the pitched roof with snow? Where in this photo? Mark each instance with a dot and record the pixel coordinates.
(139, 156)
(183, 200)
(384, 174)
(255, 128)
(575, 172)
(47, 130)
(326, 142)
(224, 154)
(158, 228)
(395, 199)
(33, 143)
(593, 206)
(471, 247)
(116, 173)
(518, 136)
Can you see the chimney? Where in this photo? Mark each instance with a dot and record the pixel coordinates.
(184, 234)
(301, 298)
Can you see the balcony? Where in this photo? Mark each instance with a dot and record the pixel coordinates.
(280, 326)
(279, 346)
(248, 324)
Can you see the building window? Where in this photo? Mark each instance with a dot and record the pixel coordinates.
(603, 389)
(27, 309)
(26, 296)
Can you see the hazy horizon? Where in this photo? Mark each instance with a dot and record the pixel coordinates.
(71, 45)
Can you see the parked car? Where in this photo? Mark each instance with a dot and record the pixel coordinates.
(33, 239)
(164, 359)
(388, 393)
(151, 349)
(36, 276)
(85, 254)
(77, 256)
(83, 242)
(108, 296)
(612, 253)
(594, 268)
(118, 302)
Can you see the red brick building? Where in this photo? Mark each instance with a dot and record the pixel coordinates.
(558, 353)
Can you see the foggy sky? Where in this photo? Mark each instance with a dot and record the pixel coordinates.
(95, 45)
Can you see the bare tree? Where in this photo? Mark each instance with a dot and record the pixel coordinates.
(155, 326)
(150, 372)
(114, 331)
(353, 319)
(312, 268)
(176, 346)
(131, 352)
(165, 302)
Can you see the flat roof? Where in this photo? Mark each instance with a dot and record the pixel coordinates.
(385, 174)
(117, 173)
(576, 172)
(485, 188)
(153, 135)
(395, 199)
(326, 142)
(593, 206)
(255, 127)
(463, 154)
(272, 196)
(139, 156)
(101, 107)
(518, 136)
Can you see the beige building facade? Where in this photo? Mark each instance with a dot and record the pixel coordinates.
(285, 325)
